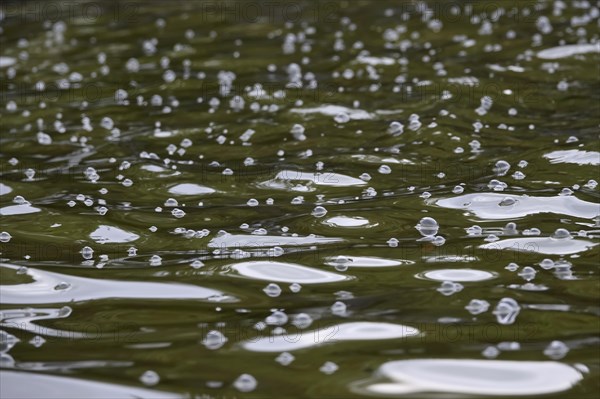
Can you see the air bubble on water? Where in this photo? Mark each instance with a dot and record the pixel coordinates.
(565, 192)
(561, 234)
(155, 260)
(518, 175)
(302, 320)
(491, 352)
(44, 138)
(171, 202)
(297, 200)
(438, 241)
(62, 286)
(178, 213)
(491, 238)
(512, 267)
(556, 350)
(298, 132)
(458, 190)
(214, 340)
(29, 173)
(285, 358)
(547, 264)
(413, 122)
(497, 185)
(132, 251)
(319, 212)
(5, 237)
(341, 118)
(534, 231)
(396, 128)
(127, 183)
(37, 341)
(506, 311)
(227, 172)
(477, 306)
(392, 242)
(150, 378)
(527, 273)
(501, 167)
(427, 226)
(591, 184)
(425, 195)
(245, 383)
(87, 253)
(272, 290)
(71, 203)
(328, 368)
(365, 177)
(448, 288)
(277, 318)
(252, 202)
(339, 308)
(197, 264)
(510, 229)
(474, 230)
(295, 288)
(384, 170)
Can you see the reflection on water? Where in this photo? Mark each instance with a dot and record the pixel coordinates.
(299, 199)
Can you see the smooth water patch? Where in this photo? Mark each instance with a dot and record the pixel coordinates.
(111, 234)
(334, 110)
(21, 209)
(348, 221)
(190, 189)
(49, 287)
(25, 385)
(284, 272)
(5, 62)
(283, 179)
(262, 241)
(356, 331)
(4, 189)
(364, 261)
(569, 50)
(461, 275)
(574, 156)
(473, 377)
(507, 206)
(542, 245)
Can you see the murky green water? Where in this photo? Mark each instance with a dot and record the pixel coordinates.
(227, 199)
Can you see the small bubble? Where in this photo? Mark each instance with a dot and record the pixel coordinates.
(150, 378)
(319, 212)
(328, 368)
(272, 290)
(245, 383)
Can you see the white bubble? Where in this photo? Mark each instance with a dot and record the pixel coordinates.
(245, 383)
(150, 378)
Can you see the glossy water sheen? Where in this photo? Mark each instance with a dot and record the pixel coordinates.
(302, 199)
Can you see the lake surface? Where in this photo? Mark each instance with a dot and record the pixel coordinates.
(301, 199)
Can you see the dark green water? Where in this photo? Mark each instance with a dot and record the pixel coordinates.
(163, 163)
